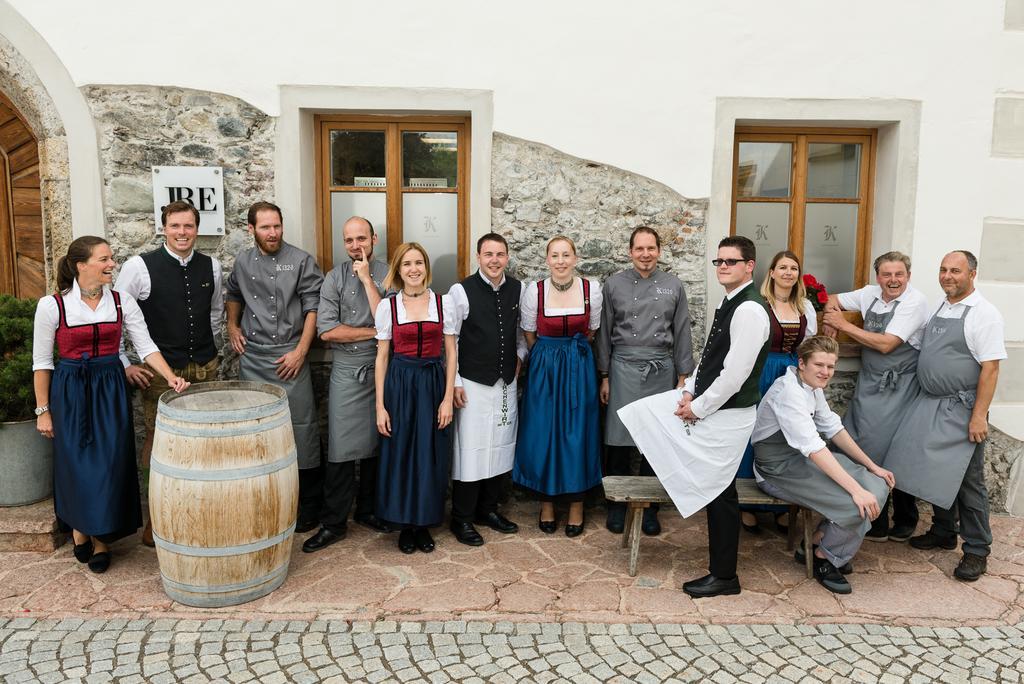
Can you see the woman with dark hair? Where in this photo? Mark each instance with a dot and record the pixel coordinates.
(558, 450)
(415, 399)
(83, 404)
(792, 319)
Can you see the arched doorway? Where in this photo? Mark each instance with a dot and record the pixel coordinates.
(22, 270)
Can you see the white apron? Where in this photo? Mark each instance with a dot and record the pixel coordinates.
(485, 431)
(695, 463)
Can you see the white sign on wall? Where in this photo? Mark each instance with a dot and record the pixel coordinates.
(203, 186)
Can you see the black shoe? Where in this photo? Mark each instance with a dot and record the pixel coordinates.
(783, 528)
(372, 521)
(466, 534)
(83, 552)
(877, 537)
(971, 567)
(616, 521)
(752, 529)
(650, 525)
(574, 530)
(547, 526)
(100, 562)
(800, 556)
(407, 540)
(424, 542)
(306, 525)
(902, 533)
(829, 577)
(709, 585)
(322, 539)
(497, 522)
(930, 540)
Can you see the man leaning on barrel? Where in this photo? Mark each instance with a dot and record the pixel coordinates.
(179, 292)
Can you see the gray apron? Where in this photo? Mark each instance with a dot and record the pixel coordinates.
(886, 388)
(634, 373)
(932, 450)
(257, 363)
(789, 470)
(352, 408)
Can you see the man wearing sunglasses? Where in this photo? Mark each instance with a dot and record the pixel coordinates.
(696, 457)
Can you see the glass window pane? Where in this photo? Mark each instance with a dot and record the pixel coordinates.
(370, 205)
(833, 170)
(357, 158)
(767, 224)
(764, 169)
(830, 244)
(432, 219)
(430, 160)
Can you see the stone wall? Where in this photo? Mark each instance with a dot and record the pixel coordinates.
(538, 192)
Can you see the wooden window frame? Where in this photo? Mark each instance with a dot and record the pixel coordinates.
(800, 138)
(392, 127)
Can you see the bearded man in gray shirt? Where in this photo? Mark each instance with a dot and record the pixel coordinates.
(643, 348)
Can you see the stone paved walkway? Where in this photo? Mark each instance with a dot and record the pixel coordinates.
(531, 576)
(168, 650)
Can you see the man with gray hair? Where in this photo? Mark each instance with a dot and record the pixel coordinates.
(349, 297)
(894, 313)
(938, 453)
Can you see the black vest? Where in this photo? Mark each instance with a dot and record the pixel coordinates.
(487, 343)
(712, 359)
(177, 310)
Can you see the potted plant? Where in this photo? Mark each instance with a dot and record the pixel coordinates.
(818, 295)
(26, 457)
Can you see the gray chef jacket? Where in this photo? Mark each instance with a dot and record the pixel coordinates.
(645, 312)
(343, 302)
(277, 291)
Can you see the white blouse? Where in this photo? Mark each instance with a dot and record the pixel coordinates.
(382, 317)
(528, 304)
(812, 319)
(799, 411)
(77, 312)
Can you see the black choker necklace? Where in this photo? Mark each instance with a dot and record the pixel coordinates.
(418, 294)
(560, 287)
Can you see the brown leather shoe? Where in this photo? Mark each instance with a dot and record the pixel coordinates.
(147, 535)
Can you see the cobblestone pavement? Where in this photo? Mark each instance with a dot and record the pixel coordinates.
(172, 650)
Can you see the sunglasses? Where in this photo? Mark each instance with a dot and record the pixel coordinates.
(728, 262)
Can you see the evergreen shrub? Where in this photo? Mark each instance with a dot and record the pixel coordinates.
(17, 396)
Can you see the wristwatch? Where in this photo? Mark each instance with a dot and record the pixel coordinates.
(41, 410)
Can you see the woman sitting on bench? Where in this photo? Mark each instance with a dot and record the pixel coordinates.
(793, 463)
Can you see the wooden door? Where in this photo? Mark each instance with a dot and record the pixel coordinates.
(22, 270)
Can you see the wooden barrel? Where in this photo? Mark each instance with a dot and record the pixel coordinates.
(223, 491)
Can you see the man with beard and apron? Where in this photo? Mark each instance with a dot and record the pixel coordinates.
(642, 348)
(272, 297)
(348, 300)
(694, 437)
(490, 350)
(894, 314)
(938, 453)
(794, 464)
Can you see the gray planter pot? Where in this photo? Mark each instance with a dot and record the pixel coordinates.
(26, 464)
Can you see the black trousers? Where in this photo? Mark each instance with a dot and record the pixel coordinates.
(904, 513)
(724, 533)
(619, 461)
(473, 499)
(327, 493)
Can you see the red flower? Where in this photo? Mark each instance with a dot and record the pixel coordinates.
(823, 297)
(809, 280)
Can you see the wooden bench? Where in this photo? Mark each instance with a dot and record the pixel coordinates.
(640, 492)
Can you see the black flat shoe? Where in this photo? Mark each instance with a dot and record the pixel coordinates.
(616, 521)
(547, 526)
(407, 541)
(83, 552)
(800, 556)
(752, 529)
(466, 534)
(424, 542)
(830, 577)
(372, 521)
(497, 522)
(574, 530)
(650, 525)
(306, 525)
(321, 540)
(100, 562)
(709, 585)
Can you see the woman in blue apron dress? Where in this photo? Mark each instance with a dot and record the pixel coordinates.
(558, 447)
(415, 391)
(83, 403)
(792, 319)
